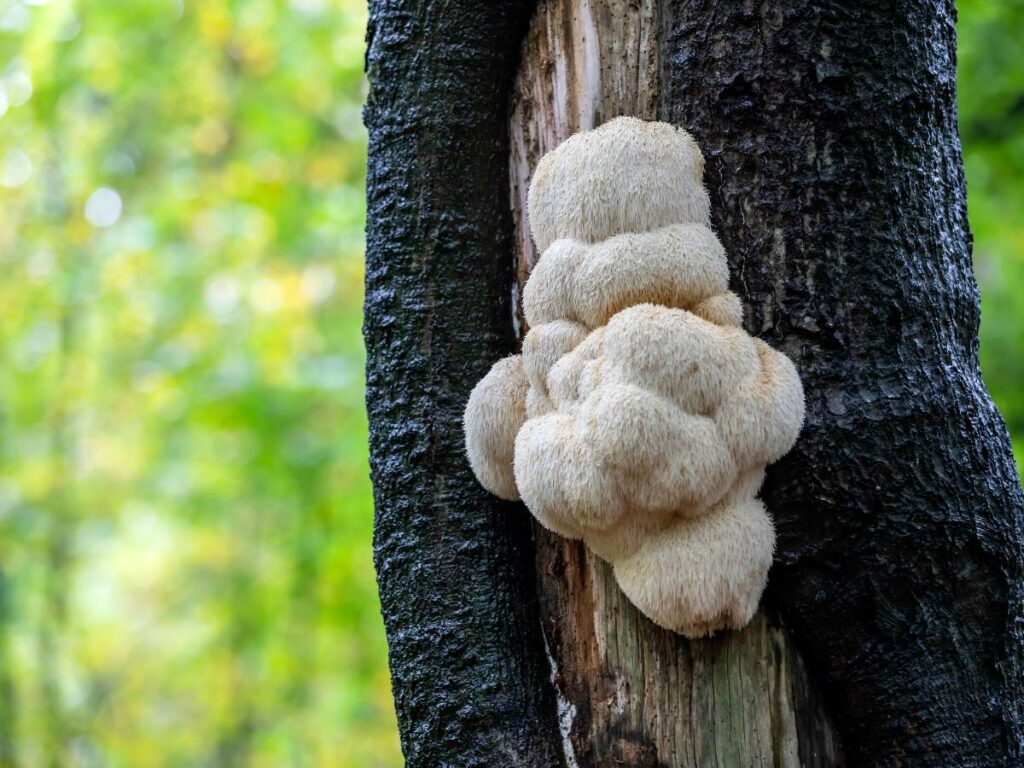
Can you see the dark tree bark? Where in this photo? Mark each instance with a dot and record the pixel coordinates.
(837, 190)
(467, 661)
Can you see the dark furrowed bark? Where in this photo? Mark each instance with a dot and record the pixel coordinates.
(467, 661)
(835, 173)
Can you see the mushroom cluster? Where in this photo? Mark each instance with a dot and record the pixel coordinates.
(640, 415)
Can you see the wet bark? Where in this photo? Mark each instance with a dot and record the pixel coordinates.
(468, 668)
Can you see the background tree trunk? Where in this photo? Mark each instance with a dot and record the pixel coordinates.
(834, 171)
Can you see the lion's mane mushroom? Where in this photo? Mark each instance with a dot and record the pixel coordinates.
(640, 415)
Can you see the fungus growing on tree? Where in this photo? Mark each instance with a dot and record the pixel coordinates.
(640, 416)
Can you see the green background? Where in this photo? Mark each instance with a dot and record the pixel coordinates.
(185, 513)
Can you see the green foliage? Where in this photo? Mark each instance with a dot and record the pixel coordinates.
(185, 513)
(991, 96)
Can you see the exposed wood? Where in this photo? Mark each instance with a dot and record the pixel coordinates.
(837, 189)
(630, 692)
(583, 63)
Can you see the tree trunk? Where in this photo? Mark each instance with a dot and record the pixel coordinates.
(834, 172)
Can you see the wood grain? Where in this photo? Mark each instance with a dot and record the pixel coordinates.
(631, 693)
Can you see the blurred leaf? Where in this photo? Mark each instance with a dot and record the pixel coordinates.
(185, 504)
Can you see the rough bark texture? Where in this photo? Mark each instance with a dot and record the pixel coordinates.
(468, 667)
(630, 692)
(835, 175)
